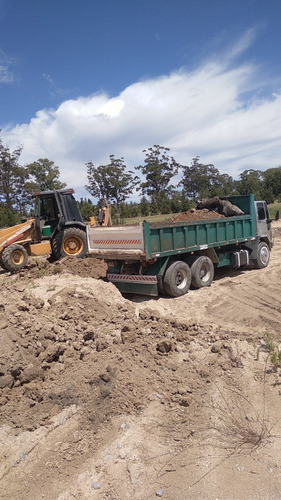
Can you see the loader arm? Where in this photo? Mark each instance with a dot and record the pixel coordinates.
(21, 233)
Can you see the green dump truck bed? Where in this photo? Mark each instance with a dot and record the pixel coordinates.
(148, 241)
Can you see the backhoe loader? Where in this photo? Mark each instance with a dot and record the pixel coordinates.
(57, 228)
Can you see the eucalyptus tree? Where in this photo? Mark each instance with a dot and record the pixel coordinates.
(158, 170)
(112, 181)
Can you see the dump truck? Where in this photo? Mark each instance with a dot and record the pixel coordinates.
(170, 257)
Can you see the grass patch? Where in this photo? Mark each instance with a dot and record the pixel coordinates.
(272, 209)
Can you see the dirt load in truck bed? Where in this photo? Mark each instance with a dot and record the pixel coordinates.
(194, 214)
(105, 397)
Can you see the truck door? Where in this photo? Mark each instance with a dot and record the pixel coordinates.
(263, 220)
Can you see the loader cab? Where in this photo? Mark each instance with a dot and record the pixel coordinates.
(54, 210)
(46, 216)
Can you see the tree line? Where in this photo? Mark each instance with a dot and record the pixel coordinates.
(159, 194)
(157, 190)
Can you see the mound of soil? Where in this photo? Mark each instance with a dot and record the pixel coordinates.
(87, 267)
(194, 214)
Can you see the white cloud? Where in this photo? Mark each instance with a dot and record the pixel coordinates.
(6, 62)
(213, 112)
(6, 76)
(243, 43)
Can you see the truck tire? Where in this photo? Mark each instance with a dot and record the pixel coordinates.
(14, 257)
(177, 279)
(74, 243)
(202, 272)
(263, 256)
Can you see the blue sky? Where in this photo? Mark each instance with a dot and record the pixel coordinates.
(80, 80)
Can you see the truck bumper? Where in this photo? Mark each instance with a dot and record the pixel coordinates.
(138, 284)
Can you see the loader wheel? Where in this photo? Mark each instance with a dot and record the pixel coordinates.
(14, 257)
(55, 246)
(263, 256)
(2, 265)
(74, 243)
(202, 271)
(177, 279)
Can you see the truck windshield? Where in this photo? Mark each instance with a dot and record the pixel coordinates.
(72, 212)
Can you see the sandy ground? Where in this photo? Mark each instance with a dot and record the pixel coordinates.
(105, 397)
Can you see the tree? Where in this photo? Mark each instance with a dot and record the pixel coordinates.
(222, 185)
(112, 181)
(44, 176)
(13, 177)
(144, 206)
(251, 181)
(272, 181)
(86, 208)
(203, 181)
(159, 168)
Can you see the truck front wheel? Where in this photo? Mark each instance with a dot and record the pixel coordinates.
(14, 257)
(202, 271)
(263, 256)
(74, 243)
(177, 279)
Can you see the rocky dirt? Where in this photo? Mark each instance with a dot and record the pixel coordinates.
(105, 397)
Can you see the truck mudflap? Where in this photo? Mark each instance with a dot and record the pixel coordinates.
(135, 283)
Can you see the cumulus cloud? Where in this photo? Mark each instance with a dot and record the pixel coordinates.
(213, 112)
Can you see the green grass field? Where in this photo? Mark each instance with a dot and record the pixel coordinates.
(272, 209)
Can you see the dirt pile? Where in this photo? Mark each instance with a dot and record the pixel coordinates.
(78, 348)
(194, 214)
(40, 266)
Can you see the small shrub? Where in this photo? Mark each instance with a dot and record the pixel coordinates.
(274, 351)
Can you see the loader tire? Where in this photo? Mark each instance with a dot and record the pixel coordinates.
(263, 256)
(74, 243)
(2, 265)
(177, 279)
(202, 271)
(55, 246)
(14, 257)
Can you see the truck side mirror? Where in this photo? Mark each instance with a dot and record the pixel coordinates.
(277, 215)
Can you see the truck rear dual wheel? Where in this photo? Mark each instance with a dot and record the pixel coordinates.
(202, 271)
(14, 258)
(177, 279)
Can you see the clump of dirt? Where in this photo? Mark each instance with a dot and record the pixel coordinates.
(194, 214)
(87, 267)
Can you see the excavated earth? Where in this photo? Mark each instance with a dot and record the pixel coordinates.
(111, 397)
(194, 214)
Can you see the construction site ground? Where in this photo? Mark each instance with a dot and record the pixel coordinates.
(111, 397)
